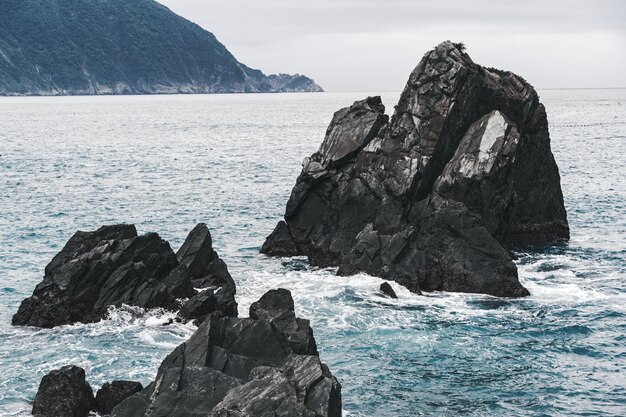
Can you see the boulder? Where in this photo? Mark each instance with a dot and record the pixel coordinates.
(451, 251)
(113, 393)
(64, 393)
(436, 196)
(114, 266)
(387, 289)
(241, 367)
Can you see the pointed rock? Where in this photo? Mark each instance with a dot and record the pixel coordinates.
(203, 266)
(277, 306)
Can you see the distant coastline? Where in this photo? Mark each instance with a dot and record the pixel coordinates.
(53, 48)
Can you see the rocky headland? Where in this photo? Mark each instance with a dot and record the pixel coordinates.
(94, 47)
(436, 196)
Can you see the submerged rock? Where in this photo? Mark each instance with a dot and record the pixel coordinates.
(258, 366)
(64, 393)
(431, 198)
(387, 289)
(113, 266)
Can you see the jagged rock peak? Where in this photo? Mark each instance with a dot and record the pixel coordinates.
(243, 367)
(433, 197)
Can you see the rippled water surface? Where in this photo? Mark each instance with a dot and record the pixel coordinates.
(168, 162)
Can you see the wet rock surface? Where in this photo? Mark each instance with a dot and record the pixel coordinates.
(387, 289)
(114, 266)
(113, 393)
(64, 393)
(257, 366)
(432, 197)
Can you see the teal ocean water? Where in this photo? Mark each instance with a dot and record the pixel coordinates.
(166, 163)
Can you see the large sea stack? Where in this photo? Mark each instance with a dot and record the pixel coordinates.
(113, 266)
(435, 197)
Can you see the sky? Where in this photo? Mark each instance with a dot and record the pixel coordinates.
(373, 45)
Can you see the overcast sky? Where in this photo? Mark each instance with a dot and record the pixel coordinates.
(372, 45)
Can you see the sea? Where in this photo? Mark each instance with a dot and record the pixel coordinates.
(166, 163)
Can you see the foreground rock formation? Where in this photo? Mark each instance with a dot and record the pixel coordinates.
(433, 197)
(114, 266)
(265, 365)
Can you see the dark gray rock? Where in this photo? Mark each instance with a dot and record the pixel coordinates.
(240, 367)
(280, 242)
(113, 393)
(274, 304)
(351, 129)
(277, 306)
(199, 307)
(64, 393)
(451, 251)
(201, 263)
(431, 198)
(387, 289)
(113, 266)
(109, 267)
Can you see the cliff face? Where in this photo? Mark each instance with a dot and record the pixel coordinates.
(59, 47)
(432, 197)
